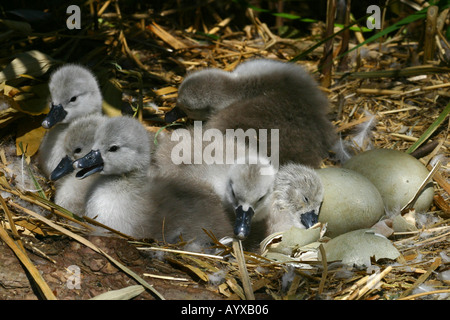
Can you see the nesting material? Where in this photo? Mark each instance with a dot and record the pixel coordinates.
(350, 201)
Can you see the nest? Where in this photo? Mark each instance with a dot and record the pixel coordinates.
(141, 59)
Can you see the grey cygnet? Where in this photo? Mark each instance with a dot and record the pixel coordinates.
(79, 138)
(121, 156)
(264, 94)
(138, 201)
(296, 199)
(74, 93)
(243, 183)
(182, 209)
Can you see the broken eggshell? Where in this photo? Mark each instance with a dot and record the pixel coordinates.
(396, 175)
(350, 201)
(357, 247)
(293, 245)
(290, 240)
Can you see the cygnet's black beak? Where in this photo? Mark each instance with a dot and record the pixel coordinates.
(63, 168)
(243, 222)
(56, 114)
(309, 218)
(89, 164)
(174, 114)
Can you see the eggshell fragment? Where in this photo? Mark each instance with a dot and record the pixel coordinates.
(295, 238)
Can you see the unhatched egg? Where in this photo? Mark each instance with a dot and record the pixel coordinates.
(350, 201)
(397, 175)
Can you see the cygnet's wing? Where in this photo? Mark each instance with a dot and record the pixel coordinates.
(203, 93)
(304, 135)
(181, 208)
(184, 153)
(280, 96)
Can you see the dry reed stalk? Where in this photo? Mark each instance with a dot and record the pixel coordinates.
(239, 254)
(11, 223)
(34, 272)
(353, 124)
(164, 277)
(182, 252)
(417, 295)
(166, 36)
(45, 204)
(422, 278)
(373, 281)
(327, 60)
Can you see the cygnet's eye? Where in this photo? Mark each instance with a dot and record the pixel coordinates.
(305, 199)
(77, 150)
(73, 99)
(260, 199)
(113, 149)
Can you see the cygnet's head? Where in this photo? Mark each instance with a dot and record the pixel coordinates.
(78, 141)
(203, 93)
(121, 146)
(249, 185)
(74, 93)
(297, 196)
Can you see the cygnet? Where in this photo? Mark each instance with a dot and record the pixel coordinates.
(264, 94)
(79, 139)
(243, 181)
(126, 196)
(74, 93)
(121, 156)
(295, 200)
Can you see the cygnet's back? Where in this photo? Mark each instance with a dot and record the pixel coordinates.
(204, 92)
(291, 103)
(79, 139)
(74, 93)
(296, 199)
(265, 94)
(182, 208)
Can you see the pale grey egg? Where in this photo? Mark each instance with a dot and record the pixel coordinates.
(350, 201)
(396, 174)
